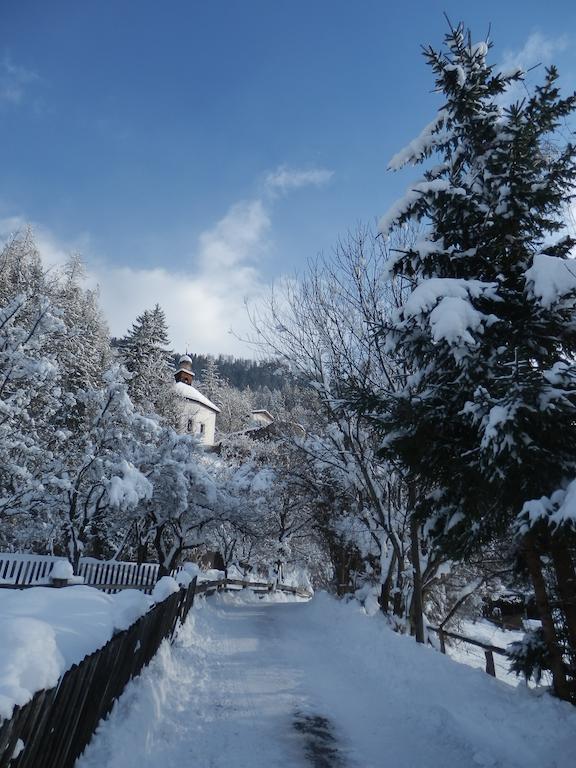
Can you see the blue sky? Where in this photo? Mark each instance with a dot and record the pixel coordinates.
(194, 151)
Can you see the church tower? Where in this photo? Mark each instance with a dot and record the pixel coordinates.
(185, 374)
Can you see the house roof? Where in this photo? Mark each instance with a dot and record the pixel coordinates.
(191, 393)
(264, 412)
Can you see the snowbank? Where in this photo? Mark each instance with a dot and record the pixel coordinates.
(433, 711)
(488, 633)
(45, 631)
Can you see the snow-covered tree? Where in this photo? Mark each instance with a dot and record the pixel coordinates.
(271, 526)
(21, 270)
(147, 357)
(324, 329)
(29, 403)
(185, 498)
(235, 409)
(95, 472)
(83, 351)
(486, 418)
(210, 382)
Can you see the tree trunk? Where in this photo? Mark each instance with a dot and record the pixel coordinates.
(163, 570)
(558, 669)
(142, 552)
(566, 585)
(385, 592)
(416, 607)
(398, 600)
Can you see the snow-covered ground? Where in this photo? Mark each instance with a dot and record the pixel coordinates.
(45, 631)
(488, 633)
(262, 684)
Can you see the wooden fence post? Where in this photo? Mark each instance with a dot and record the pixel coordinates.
(490, 668)
(442, 639)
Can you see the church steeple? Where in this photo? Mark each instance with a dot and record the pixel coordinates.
(185, 374)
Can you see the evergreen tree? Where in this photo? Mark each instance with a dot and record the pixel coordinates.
(147, 357)
(486, 420)
(210, 381)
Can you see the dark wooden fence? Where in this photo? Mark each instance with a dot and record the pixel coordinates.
(489, 650)
(53, 729)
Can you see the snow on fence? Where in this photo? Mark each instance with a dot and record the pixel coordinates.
(18, 570)
(53, 729)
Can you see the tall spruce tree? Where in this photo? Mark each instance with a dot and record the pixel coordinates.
(147, 357)
(486, 420)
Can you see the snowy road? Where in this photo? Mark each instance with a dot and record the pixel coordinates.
(263, 684)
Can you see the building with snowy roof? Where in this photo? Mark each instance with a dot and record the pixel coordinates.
(261, 417)
(199, 413)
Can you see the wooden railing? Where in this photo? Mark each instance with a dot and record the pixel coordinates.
(489, 650)
(53, 729)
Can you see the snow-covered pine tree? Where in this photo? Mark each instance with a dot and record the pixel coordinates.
(486, 420)
(210, 380)
(147, 357)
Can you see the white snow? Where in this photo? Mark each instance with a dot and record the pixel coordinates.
(447, 300)
(419, 146)
(473, 656)
(62, 570)
(452, 319)
(557, 509)
(413, 195)
(127, 488)
(494, 427)
(191, 393)
(551, 278)
(243, 671)
(29, 661)
(480, 49)
(45, 631)
(163, 588)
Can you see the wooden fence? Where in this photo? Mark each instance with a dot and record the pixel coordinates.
(18, 571)
(53, 729)
(489, 650)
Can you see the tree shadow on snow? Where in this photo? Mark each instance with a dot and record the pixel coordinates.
(320, 744)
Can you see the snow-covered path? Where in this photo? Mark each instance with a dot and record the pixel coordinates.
(265, 684)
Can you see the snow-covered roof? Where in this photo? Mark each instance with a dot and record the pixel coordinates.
(191, 393)
(263, 412)
(185, 370)
(185, 359)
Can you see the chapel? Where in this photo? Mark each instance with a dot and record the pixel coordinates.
(199, 413)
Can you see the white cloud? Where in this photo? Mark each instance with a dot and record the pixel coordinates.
(537, 50)
(284, 179)
(203, 303)
(14, 81)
